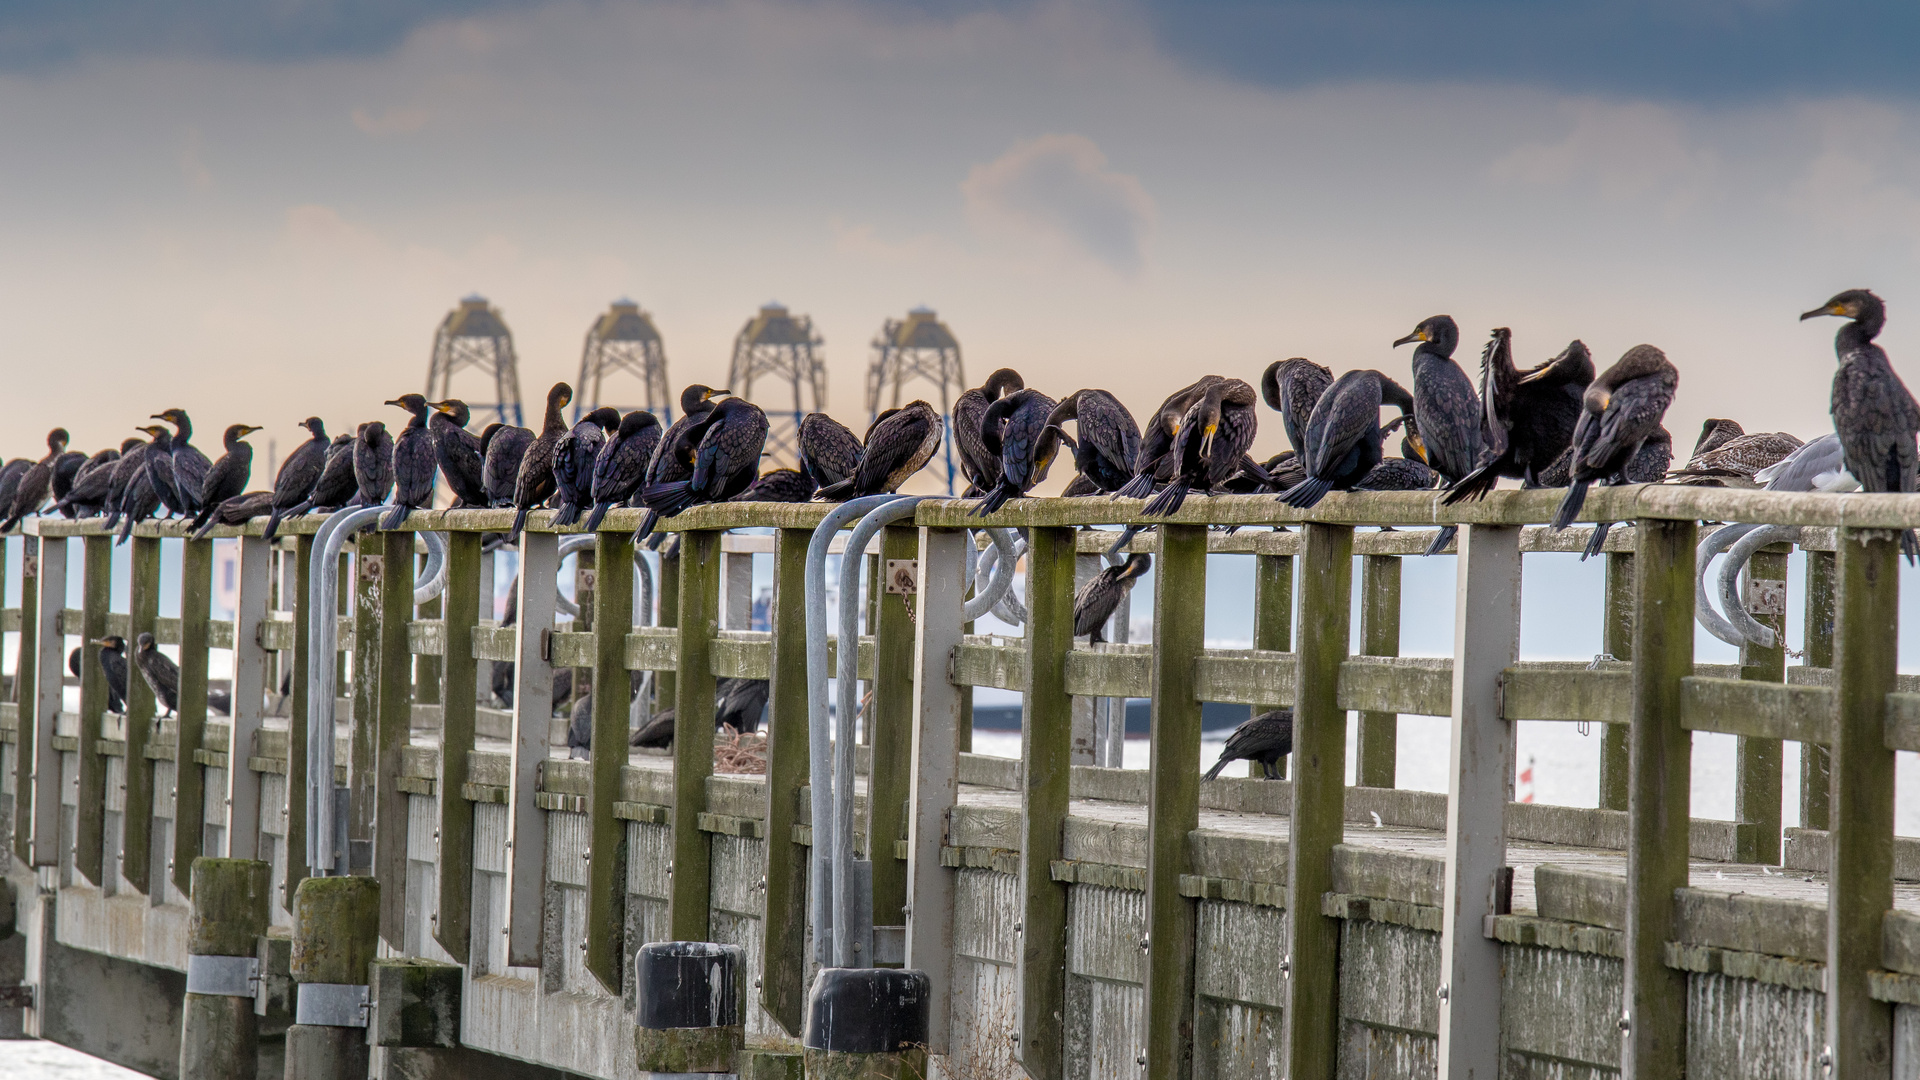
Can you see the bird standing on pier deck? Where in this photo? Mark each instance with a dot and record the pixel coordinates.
(1529, 416)
(673, 457)
(1873, 413)
(1620, 411)
(726, 446)
(36, 482)
(1344, 434)
(899, 444)
(1445, 408)
(416, 462)
(1101, 596)
(534, 483)
(1014, 429)
(1265, 738)
(372, 464)
(501, 448)
(458, 451)
(113, 664)
(189, 464)
(573, 462)
(979, 465)
(1292, 387)
(298, 474)
(160, 673)
(829, 450)
(1108, 437)
(227, 477)
(621, 465)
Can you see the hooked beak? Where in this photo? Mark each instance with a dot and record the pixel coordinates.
(398, 402)
(1824, 309)
(1206, 440)
(100, 641)
(1417, 335)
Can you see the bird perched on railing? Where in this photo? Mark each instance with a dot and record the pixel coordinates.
(372, 464)
(160, 472)
(239, 510)
(1404, 473)
(978, 464)
(1108, 437)
(673, 457)
(337, 485)
(142, 499)
(1097, 600)
(621, 466)
(573, 461)
(1344, 434)
(900, 442)
(36, 483)
(458, 452)
(1818, 466)
(1620, 412)
(1211, 443)
(534, 484)
(131, 466)
(227, 477)
(829, 450)
(10, 476)
(1265, 738)
(502, 446)
(1529, 416)
(1734, 461)
(189, 464)
(1873, 413)
(1715, 433)
(416, 462)
(724, 447)
(778, 485)
(1292, 387)
(1446, 411)
(113, 664)
(66, 469)
(298, 474)
(88, 495)
(1015, 431)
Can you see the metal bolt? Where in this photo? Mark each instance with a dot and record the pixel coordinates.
(756, 984)
(1286, 965)
(1144, 942)
(583, 944)
(1626, 1023)
(1826, 1059)
(1444, 992)
(1019, 927)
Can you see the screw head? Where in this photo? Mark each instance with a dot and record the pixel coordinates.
(1626, 1023)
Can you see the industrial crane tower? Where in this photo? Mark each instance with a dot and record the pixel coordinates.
(473, 335)
(776, 344)
(623, 340)
(918, 348)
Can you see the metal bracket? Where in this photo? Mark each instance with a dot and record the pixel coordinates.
(372, 567)
(903, 576)
(17, 996)
(889, 945)
(223, 976)
(332, 1005)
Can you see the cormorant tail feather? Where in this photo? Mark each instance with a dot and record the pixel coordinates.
(1570, 505)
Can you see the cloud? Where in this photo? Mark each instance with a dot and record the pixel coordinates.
(396, 121)
(1059, 187)
(1624, 152)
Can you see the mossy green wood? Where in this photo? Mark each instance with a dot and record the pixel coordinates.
(1173, 796)
(143, 602)
(1660, 755)
(1319, 799)
(783, 962)
(699, 620)
(1377, 749)
(428, 670)
(891, 723)
(1272, 615)
(391, 734)
(360, 595)
(1860, 845)
(687, 1051)
(584, 580)
(1816, 771)
(1616, 640)
(1046, 745)
(454, 923)
(230, 905)
(91, 797)
(26, 696)
(666, 687)
(607, 834)
(336, 929)
(1757, 761)
(297, 868)
(826, 1065)
(189, 792)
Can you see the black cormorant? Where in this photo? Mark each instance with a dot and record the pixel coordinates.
(140, 500)
(160, 472)
(778, 485)
(337, 485)
(1404, 474)
(229, 476)
(66, 469)
(656, 733)
(534, 484)
(1096, 601)
(372, 463)
(726, 459)
(1344, 434)
(458, 451)
(241, 509)
(113, 663)
(1446, 409)
(1265, 738)
(673, 457)
(978, 464)
(1211, 444)
(298, 474)
(573, 461)
(1154, 462)
(37, 482)
(1873, 413)
(621, 466)
(501, 447)
(1620, 411)
(160, 673)
(1015, 431)
(132, 465)
(10, 476)
(1292, 387)
(1529, 416)
(88, 495)
(189, 464)
(829, 451)
(898, 446)
(1106, 437)
(416, 462)
(739, 703)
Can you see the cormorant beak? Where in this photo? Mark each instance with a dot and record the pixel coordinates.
(1206, 438)
(397, 402)
(1419, 447)
(1417, 335)
(1825, 309)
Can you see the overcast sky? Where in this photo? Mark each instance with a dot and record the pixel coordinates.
(259, 211)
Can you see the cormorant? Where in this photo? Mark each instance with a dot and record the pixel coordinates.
(621, 465)
(1648, 465)
(1404, 474)
(1272, 476)
(36, 482)
(778, 485)
(10, 476)
(1154, 462)
(1015, 431)
(1529, 416)
(88, 495)
(459, 452)
(372, 463)
(725, 461)
(415, 462)
(1732, 462)
(239, 510)
(1344, 434)
(1107, 437)
(1873, 413)
(227, 477)
(113, 662)
(1447, 411)
(534, 484)
(898, 446)
(337, 484)
(66, 468)
(501, 447)
(673, 458)
(1265, 738)
(160, 472)
(740, 703)
(189, 464)
(140, 500)
(573, 461)
(1716, 433)
(656, 733)
(1620, 411)
(132, 465)
(978, 464)
(1100, 596)
(829, 452)
(298, 474)
(1292, 387)
(1211, 444)
(160, 672)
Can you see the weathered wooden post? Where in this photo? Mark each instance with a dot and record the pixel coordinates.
(189, 776)
(220, 1035)
(25, 697)
(783, 966)
(252, 663)
(1319, 801)
(532, 712)
(1173, 794)
(89, 856)
(1757, 762)
(297, 868)
(1860, 846)
(363, 605)
(1272, 616)
(391, 732)
(689, 904)
(136, 815)
(1486, 641)
(939, 733)
(607, 834)
(1654, 1023)
(1046, 754)
(890, 721)
(336, 934)
(691, 1015)
(452, 926)
(1816, 771)
(1616, 640)
(1378, 747)
(40, 709)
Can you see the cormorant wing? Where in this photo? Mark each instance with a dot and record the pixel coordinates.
(1633, 414)
(1348, 412)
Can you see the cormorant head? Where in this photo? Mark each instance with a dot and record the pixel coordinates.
(1412, 446)
(1857, 304)
(172, 416)
(413, 403)
(1716, 433)
(638, 421)
(561, 394)
(1574, 364)
(455, 410)
(112, 643)
(128, 444)
(236, 432)
(57, 440)
(695, 398)
(373, 429)
(144, 642)
(1004, 381)
(154, 430)
(1136, 565)
(316, 426)
(1438, 331)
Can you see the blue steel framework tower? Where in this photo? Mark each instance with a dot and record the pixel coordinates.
(776, 344)
(919, 347)
(473, 335)
(623, 341)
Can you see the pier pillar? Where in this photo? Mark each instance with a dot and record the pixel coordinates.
(219, 1034)
(336, 934)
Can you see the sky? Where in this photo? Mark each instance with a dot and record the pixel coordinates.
(261, 211)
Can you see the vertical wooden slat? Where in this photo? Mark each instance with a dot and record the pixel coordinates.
(1046, 752)
(427, 670)
(297, 869)
(607, 840)
(395, 720)
(1816, 771)
(40, 714)
(1860, 846)
(1272, 616)
(1616, 640)
(584, 580)
(699, 619)
(252, 667)
(1319, 800)
(91, 796)
(453, 923)
(1757, 762)
(783, 964)
(1173, 796)
(1660, 758)
(189, 776)
(361, 595)
(26, 696)
(136, 821)
(666, 686)
(1486, 641)
(532, 714)
(1377, 748)
(891, 719)
(938, 737)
